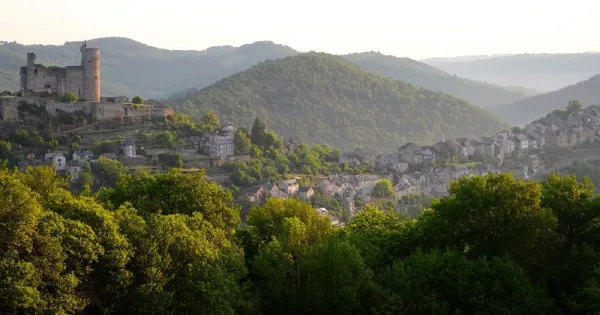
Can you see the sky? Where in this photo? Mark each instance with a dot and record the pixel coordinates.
(417, 29)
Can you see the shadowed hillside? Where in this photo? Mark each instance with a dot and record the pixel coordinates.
(423, 75)
(524, 111)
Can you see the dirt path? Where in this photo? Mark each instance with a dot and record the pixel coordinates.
(77, 129)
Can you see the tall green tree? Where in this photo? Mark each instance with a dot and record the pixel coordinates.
(242, 141)
(574, 252)
(175, 192)
(383, 188)
(258, 133)
(211, 122)
(489, 215)
(449, 283)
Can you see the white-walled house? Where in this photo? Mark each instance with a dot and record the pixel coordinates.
(57, 159)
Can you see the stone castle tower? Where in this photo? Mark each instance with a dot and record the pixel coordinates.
(82, 80)
(90, 61)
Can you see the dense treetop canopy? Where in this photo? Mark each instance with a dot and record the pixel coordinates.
(172, 244)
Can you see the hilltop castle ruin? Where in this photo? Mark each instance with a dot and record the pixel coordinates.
(41, 86)
(82, 80)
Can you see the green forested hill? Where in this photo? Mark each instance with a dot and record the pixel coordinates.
(132, 68)
(322, 98)
(524, 111)
(420, 74)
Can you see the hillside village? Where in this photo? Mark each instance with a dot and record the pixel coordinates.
(427, 170)
(412, 169)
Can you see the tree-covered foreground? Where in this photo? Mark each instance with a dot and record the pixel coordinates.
(173, 244)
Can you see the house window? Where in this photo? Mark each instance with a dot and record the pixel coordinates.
(47, 86)
(35, 71)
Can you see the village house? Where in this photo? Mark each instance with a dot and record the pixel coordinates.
(273, 191)
(479, 149)
(539, 138)
(349, 158)
(522, 142)
(82, 156)
(463, 153)
(339, 189)
(573, 138)
(74, 170)
(325, 187)
(489, 147)
(341, 184)
(533, 163)
(366, 155)
(473, 147)
(290, 187)
(305, 193)
(218, 143)
(533, 144)
(558, 139)
(398, 165)
(385, 160)
(447, 150)
(57, 159)
(499, 149)
(254, 193)
(428, 155)
(129, 149)
(405, 187)
(365, 183)
(411, 153)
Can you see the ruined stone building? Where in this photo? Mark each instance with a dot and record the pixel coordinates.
(82, 80)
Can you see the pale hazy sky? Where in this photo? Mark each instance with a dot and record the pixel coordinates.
(417, 29)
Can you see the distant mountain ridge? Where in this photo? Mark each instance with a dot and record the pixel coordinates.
(423, 75)
(132, 68)
(8, 82)
(322, 98)
(543, 72)
(524, 111)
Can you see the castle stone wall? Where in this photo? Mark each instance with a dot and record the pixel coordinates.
(138, 111)
(9, 108)
(74, 81)
(106, 111)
